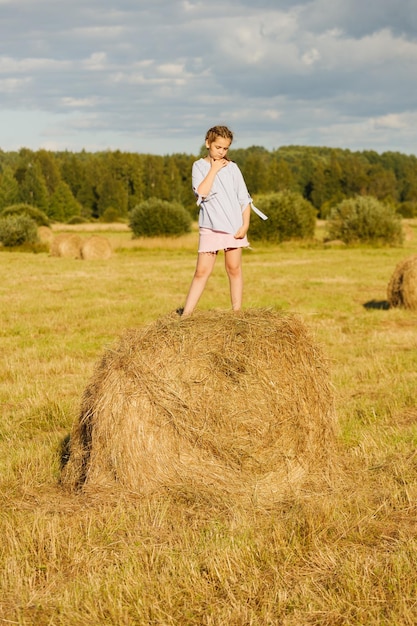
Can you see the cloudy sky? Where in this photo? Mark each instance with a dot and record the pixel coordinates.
(151, 76)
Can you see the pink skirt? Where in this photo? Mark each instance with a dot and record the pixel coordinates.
(215, 240)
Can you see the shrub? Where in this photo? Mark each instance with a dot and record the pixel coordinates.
(154, 217)
(290, 216)
(365, 219)
(38, 216)
(16, 230)
(78, 219)
(407, 209)
(111, 215)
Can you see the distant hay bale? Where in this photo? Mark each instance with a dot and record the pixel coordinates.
(402, 287)
(45, 234)
(96, 247)
(238, 404)
(66, 245)
(70, 247)
(54, 248)
(335, 243)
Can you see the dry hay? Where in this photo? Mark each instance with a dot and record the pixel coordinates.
(55, 243)
(66, 245)
(216, 402)
(96, 247)
(45, 234)
(402, 287)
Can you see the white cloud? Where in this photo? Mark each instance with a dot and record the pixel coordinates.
(392, 120)
(96, 61)
(99, 32)
(311, 56)
(79, 103)
(9, 65)
(172, 69)
(152, 75)
(272, 114)
(13, 85)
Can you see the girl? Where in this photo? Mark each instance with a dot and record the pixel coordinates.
(224, 217)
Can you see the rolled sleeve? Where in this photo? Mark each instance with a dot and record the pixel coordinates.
(241, 190)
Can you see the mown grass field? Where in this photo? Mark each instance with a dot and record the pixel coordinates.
(346, 556)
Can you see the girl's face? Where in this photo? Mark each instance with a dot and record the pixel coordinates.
(218, 148)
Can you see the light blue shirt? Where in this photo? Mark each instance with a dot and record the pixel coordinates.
(223, 207)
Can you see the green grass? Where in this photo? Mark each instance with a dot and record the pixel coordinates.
(347, 556)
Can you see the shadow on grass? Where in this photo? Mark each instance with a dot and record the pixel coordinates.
(377, 304)
(64, 451)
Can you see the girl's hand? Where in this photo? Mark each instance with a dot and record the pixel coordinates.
(218, 164)
(240, 233)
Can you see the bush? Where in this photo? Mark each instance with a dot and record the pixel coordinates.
(365, 219)
(110, 216)
(16, 230)
(38, 216)
(78, 219)
(290, 216)
(154, 217)
(407, 209)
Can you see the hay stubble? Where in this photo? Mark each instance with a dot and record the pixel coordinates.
(342, 556)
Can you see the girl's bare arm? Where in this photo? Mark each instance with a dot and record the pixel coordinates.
(206, 184)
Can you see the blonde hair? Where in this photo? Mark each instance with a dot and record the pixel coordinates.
(218, 131)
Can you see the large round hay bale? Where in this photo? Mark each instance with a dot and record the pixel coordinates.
(66, 245)
(234, 403)
(96, 247)
(402, 287)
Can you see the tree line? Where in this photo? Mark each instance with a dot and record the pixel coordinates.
(107, 185)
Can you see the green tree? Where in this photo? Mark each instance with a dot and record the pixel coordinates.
(407, 182)
(33, 189)
(326, 186)
(154, 182)
(182, 192)
(73, 170)
(112, 194)
(279, 176)
(87, 196)
(132, 177)
(172, 176)
(50, 169)
(354, 178)
(255, 170)
(63, 206)
(382, 183)
(9, 188)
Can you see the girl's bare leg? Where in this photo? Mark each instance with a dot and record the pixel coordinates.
(205, 265)
(233, 264)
